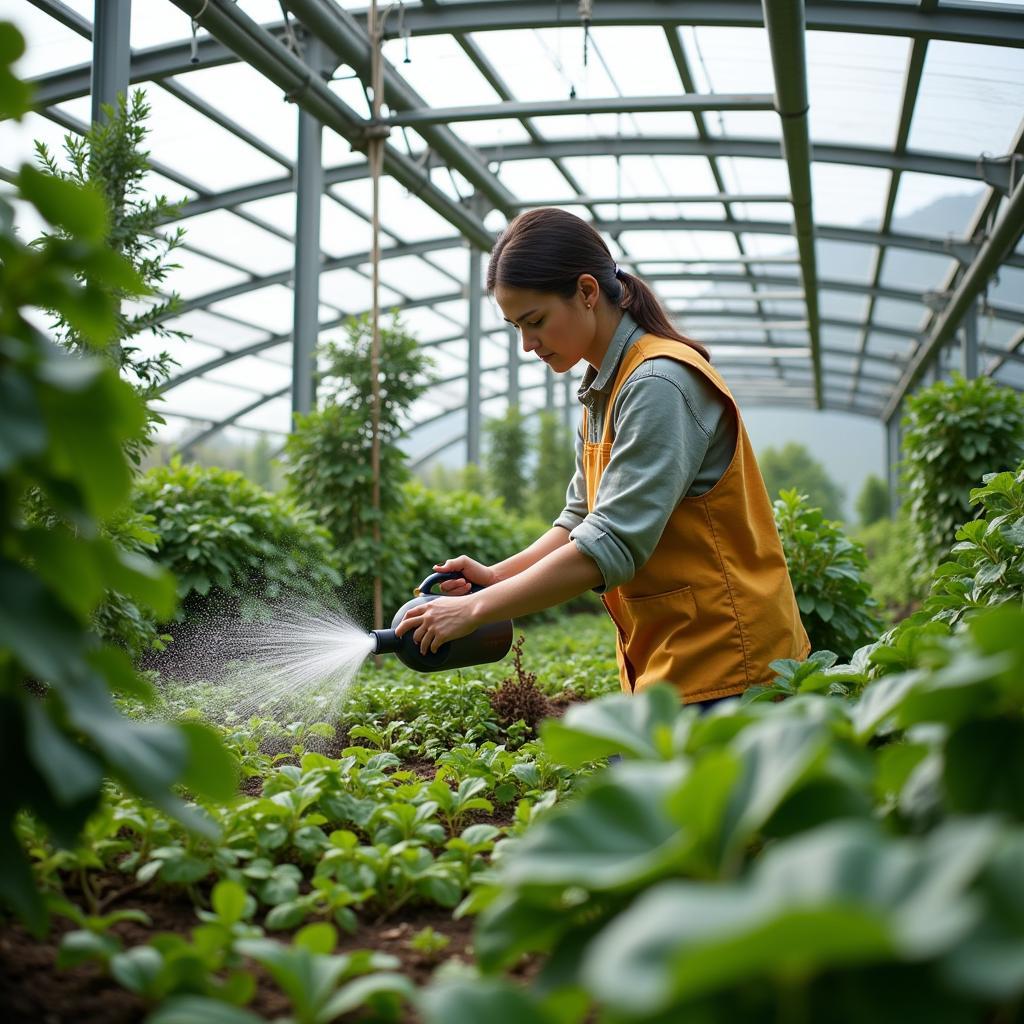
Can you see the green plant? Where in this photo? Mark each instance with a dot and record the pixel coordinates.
(792, 467)
(889, 549)
(873, 501)
(66, 422)
(329, 451)
(429, 942)
(827, 570)
(954, 433)
(556, 462)
(109, 159)
(233, 546)
(506, 459)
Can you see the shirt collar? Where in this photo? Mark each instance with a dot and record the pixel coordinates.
(601, 379)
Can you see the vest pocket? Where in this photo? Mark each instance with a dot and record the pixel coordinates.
(656, 628)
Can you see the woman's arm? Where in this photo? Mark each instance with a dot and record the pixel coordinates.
(555, 538)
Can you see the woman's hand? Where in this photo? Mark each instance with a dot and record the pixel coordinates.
(440, 620)
(475, 572)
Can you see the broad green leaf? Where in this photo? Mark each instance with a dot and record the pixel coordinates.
(210, 769)
(79, 210)
(317, 938)
(485, 999)
(229, 900)
(71, 771)
(200, 1010)
(984, 767)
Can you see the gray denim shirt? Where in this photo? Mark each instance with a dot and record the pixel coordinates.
(673, 439)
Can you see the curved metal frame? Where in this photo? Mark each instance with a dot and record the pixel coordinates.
(987, 243)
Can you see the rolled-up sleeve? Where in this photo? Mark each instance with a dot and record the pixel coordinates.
(575, 510)
(658, 449)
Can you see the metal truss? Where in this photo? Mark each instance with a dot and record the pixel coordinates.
(870, 382)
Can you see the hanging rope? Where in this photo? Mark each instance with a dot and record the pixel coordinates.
(375, 152)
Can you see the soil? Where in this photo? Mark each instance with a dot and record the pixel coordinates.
(34, 991)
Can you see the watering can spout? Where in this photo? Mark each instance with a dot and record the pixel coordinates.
(385, 641)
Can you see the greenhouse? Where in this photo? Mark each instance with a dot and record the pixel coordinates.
(512, 511)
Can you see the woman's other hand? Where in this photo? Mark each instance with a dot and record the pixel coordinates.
(474, 572)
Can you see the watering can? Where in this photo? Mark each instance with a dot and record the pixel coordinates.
(488, 643)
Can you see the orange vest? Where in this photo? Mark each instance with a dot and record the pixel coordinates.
(714, 604)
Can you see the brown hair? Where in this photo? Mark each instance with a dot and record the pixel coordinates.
(547, 249)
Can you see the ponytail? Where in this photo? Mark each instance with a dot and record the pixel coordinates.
(547, 249)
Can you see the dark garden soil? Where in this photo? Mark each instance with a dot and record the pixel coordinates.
(34, 991)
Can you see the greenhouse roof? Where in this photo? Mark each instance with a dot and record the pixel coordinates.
(828, 202)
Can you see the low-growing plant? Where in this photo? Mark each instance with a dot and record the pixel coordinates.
(827, 570)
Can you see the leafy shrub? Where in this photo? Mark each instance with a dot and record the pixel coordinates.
(889, 548)
(793, 468)
(234, 547)
(954, 433)
(857, 860)
(827, 570)
(873, 501)
(329, 453)
(556, 463)
(66, 423)
(507, 450)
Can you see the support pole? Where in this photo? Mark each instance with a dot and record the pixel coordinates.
(513, 368)
(309, 187)
(970, 342)
(892, 459)
(567, 400)
(549, 389)
(111, 54)
(473, 370)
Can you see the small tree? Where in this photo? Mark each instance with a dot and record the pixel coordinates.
(954, 433)
(556, 461)
(329, 450)
(792, 467)
(506, 459)
(873, 500)
(110, 159)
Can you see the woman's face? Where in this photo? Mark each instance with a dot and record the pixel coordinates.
(558, 331)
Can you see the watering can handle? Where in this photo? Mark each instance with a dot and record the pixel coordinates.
(440, 577)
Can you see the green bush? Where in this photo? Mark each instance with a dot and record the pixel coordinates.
(810, 860)
(873, 501)
(329, 453)
(827, 570)
(889, 548)
(507, 449)
(65, 423)
(793, 468)
(556, 463)
(235, 548)
(954, 433)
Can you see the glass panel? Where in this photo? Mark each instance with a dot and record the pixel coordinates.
(844, 338)
(354, 292)
(535, 179)
(1007, 289)
(274, 416)
(221, 233)
(49, 46)
(403, 215)
(207, 329)
(276, 210)
(253, 372)
(844, 65)
(658, 244)
(900, 314)
(845, 261)
(343, 233)
(411, 276)
(426, 325)
(196, 275)
(271, 308)
(242, 94)
(17, 140)
(193, 145)
(206, 399)
(932, 204)
(970, 98)
(882, 344)
(491, 133)
(849, 196)
(440, 71)
(769, 247)
(729, 60)
(906, 269)
(842, 305)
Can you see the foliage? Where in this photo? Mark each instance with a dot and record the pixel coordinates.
(955, 432)
(827, 570)
(109, 159)
(819, 858)
(430, 526)
(792, 467)
(329, 452)
(233, 546)
(889, 548)
(506, 459)
(556, 461)
(873, 501)
(65, 422)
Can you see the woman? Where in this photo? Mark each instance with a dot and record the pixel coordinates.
(667, 516)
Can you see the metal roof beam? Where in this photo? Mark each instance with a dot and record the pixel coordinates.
(288, 72)
(1005, 233)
